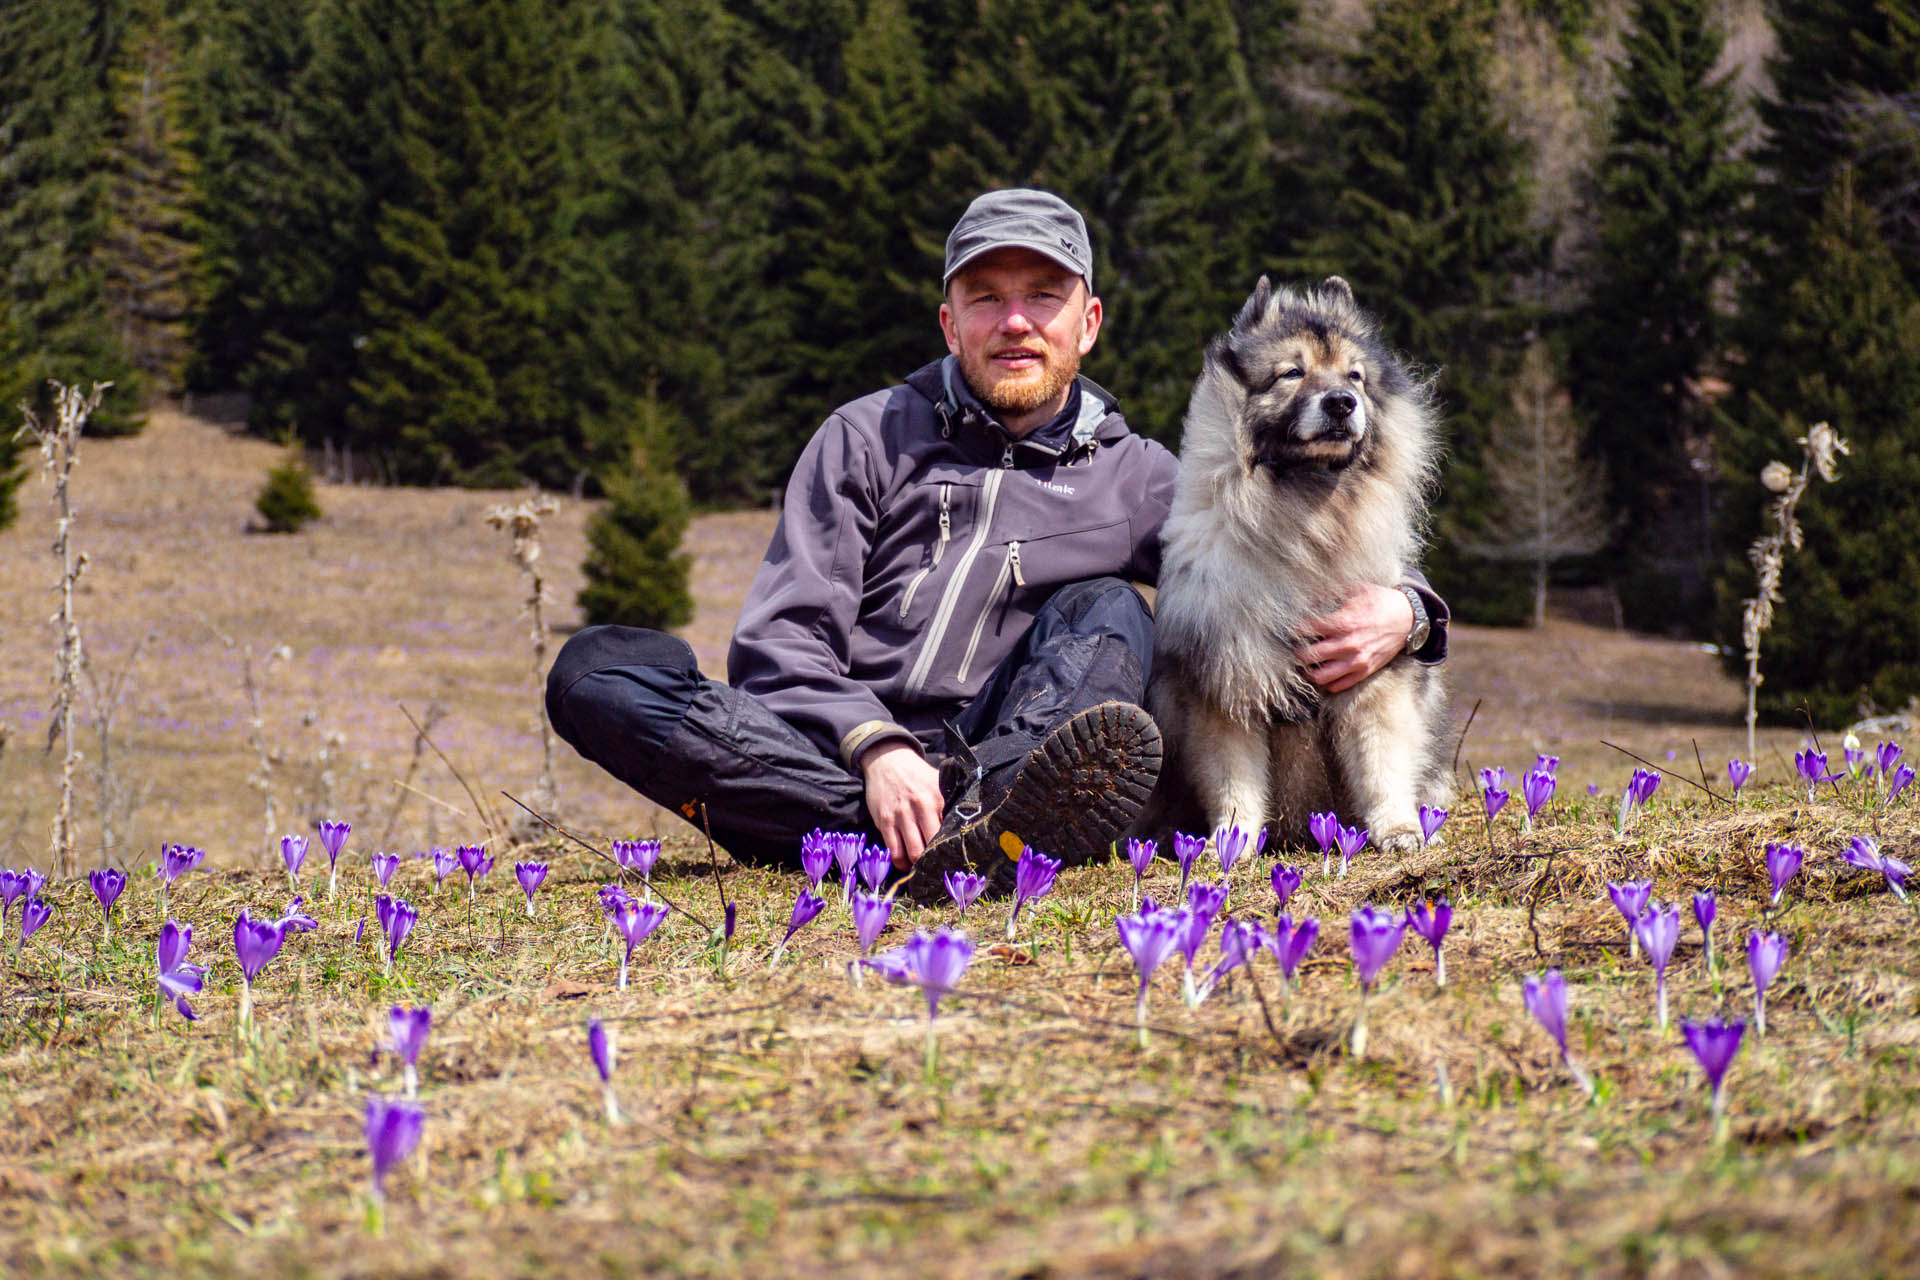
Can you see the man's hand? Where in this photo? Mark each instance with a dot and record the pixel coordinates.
(903, 795)
(1363, 635)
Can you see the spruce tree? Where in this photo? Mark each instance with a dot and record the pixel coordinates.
(1429, 225)
(636, 573)
(1670, 195)
(147, 243)
(55, 112)
(1843, 638)
(702, 116)
(13, 389)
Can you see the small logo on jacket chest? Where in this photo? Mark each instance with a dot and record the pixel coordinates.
(1054, 486)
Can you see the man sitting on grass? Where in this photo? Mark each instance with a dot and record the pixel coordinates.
(942, 647)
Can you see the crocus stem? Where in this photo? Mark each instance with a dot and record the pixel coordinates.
(1711, 967)
(774, 959)
(529, 908)
(1760, 1012)
(411, 1076)
(1719, 1116)
(623, 973)
(1360, 1027)
(293, 881)
(1580, 1077)
(1140, 1015)
(1439, 966)
(1326, 862)
(333, 881)
(163, 900)
(1633, 944)
(1136, 891)
(1660, 986)
(612, 1104)
(246, 1009)
(1013, 918)
(933, 1052)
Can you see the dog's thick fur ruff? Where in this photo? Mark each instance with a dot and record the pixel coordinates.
(1304, 470)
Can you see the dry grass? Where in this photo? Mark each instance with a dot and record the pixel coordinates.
(781, 1124)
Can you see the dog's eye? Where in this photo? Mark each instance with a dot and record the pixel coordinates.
(1357, 376)
(1294, 373)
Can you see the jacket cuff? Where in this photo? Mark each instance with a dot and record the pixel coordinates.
(1434, 651)
(865, 734)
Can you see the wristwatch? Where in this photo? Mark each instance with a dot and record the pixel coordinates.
(1422, 624)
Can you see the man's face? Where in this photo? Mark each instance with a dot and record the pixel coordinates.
(1019, 323)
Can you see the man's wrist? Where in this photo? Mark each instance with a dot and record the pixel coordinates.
(1422, 626)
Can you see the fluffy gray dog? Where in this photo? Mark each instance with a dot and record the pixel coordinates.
(1304, 471)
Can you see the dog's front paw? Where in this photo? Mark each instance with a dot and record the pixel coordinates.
(1400, 841)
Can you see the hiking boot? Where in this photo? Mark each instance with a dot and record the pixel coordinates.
(1073, 796)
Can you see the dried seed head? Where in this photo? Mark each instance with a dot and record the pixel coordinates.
(1776, 477)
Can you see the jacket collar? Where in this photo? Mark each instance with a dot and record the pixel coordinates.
(1097, 418)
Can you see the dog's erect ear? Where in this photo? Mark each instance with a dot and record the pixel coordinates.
(1256, 306)
(1335, 289)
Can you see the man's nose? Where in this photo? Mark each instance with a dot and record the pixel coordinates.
(1016, 320)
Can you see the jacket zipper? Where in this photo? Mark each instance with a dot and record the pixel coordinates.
(1010, 569)
(939, 549)
(950, 598)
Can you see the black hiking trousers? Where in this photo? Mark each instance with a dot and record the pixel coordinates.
(634, 702)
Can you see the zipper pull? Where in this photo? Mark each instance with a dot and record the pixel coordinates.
(946, 521)
(1006, 458)
(1013, 560)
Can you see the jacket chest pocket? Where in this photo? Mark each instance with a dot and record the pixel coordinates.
(1031, 570)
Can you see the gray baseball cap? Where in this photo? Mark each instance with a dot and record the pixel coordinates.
(1021, 218)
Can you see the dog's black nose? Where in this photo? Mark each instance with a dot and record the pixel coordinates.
(1338, 404)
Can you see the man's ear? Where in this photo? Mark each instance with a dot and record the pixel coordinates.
(1090, 324)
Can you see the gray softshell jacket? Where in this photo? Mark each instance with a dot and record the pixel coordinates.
(916, 543)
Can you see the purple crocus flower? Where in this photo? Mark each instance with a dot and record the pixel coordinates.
(1811, 765)
(1033, 878)
(1230, 842)
(34, 912)
(1884, 757)
(296, 920)
(1766, 952)
(108, 884)
(293, 852)
(384, 865)
(936, 961)
(1286, 882)
(1783, 863)
(1546, 999)
(1373, 936)
(805, 907)
(965, 888)
(35, 881)
(639, 856)
(397, 917)
(1659, 932)
(1290, 943)
(1536, 789)
(816, 855)
(1705, 907)
(178, 859)
(408, 1036)
(1186, 851)
(846, 846)
(178, 979)
(1149, 937)
(445, 863)
(1238, 941)
(1630, 900)
(1206, 900)
(476, 862)
(333, 838)
(872, 864)
(1193, 927)
(1855, 754)
(1431, 920)
(636, 922)
(393, 1130)
(1432, 818)
(1493, 790)
(1902, 776)
(1323, 827)
(600, 1047)
(1640, 789)
(13, 884)
(1738, 771)
(255, 942)
(870, 915)
(1351, 841)
(1140, 855)
(1864, 852)
(530, 875)
(1714, 1044)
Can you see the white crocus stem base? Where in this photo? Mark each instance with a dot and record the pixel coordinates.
(1359, 1042)
(410, 1079)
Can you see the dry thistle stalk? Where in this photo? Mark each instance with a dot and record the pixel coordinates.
(59, 451)
(1820, 447)
(522, 521)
